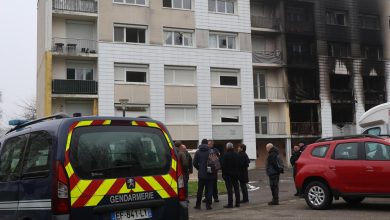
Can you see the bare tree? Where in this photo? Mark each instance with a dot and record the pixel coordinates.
(29, 109)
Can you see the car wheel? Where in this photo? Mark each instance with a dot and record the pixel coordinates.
(318, 195)
(353, 200)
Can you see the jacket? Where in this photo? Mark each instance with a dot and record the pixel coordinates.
(244, 164)
(294, 157)
(231, 164)
(200, 161)
(272, 162)
(186, 162)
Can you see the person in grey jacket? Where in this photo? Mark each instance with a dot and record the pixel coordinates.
(204, 176)
(273, 172)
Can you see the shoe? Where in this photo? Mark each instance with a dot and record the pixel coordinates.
(237, 205)
(273, 203)
(197, 207)
(228, 206)
(296, 194)
(216, 200)
(204, 200)
(244, 201)
(208, 207)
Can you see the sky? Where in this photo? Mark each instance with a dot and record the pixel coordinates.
(18, 39)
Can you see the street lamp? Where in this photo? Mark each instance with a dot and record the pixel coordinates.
(124, 103)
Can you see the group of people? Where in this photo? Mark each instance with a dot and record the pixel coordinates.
(234, 164)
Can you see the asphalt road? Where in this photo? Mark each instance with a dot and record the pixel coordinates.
(290, 207)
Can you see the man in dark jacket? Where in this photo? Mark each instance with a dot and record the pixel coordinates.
(273, 172)
(205, 175)
(186, 164)
(293, 159)
(214, 150)
(230, 173)
(243, 177)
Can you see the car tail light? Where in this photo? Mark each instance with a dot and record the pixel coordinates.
(60, 200)
(181, 185)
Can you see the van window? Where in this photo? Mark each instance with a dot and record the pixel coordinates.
(374, 131)
(11, 157)
(37, 156)
(119, 151)
(346, 151)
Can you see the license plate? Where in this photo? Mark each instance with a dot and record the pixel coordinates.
(132, 214)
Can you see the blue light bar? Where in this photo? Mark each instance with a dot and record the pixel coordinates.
(17, 122)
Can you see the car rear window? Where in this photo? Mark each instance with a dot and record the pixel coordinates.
(100, 152)
(320, 151)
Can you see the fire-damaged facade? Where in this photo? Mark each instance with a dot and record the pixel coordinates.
(318, 66)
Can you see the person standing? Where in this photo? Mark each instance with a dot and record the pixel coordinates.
(216, 153)
(273, 172)
(302, 146)
(230, 173)
(243, 172)
(293, 159)
(205, 175)
(186, 164)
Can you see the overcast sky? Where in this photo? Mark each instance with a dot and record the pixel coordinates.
(17, 54)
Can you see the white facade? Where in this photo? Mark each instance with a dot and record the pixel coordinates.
(157, 57)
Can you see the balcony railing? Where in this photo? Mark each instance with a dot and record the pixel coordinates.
(271, 128)
(374, 97)
(270, 57)
(305, 128)
(71, 46)
(89, 6)
(81, 87)
(301, 59)
(300, 27)
(269, 92)
(341, 96)
(265, 22)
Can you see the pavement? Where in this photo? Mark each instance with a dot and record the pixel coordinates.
(290, 207)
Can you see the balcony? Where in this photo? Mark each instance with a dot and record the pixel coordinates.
(74, 87)
(85, 6)
(265, 22)
(267, 57)
(305, 27)
(271, 128)
(301, 59)
(374, 97)
(306, 128)
(269, 92)
(74, 47)
(341, 96)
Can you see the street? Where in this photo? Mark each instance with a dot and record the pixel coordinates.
(290, 207)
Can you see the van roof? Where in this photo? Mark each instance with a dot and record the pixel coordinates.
(375, 115)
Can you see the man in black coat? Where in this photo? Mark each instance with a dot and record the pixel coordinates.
(273, 172)
(230, 173)
(243, 175)
(293, 159)
(205, 175)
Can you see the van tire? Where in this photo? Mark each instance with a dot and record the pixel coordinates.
(353, 200)
(318, 195)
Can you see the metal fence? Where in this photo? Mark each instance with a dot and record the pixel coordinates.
(265, 22)
(305, 128)
(87, 87)
(89, 6)
(73, 46)
(271, 128)
(272, 57)
(269, 92)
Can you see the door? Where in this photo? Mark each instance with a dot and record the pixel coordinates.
(261, 120)
(260, 88)
(11, 157)
(376, 176)
(347, 167)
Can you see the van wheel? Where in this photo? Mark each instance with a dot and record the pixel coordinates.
(353, 200)
(318, 196)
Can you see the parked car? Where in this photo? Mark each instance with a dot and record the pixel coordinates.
(90, 168)
(351, 167)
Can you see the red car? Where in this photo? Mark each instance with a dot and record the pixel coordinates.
(352, 167)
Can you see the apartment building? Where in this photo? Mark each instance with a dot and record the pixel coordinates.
(185, 63)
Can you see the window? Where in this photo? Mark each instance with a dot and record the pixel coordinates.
(369, 22)
(224, 78)
(180, 76)
(346, 151)
(130, 34)
(336, 18)
(38, 154)
(181, 115)
(377, 151)
(179, 4)
(11, 158)
(79, 74)
(178, 38)
(371, 52)
(132, 110)
(131, 2)
(320, 151)
(373, 131)
(131, 73)
(226, 115)
(222, 6)
(110, 152)
(259, 85)
(339, 49)
(223, 41)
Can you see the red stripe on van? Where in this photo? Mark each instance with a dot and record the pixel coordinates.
(88, 193)
(97, 122)
(145, 185)
(73, 180)
(116, 186)
(165, 185)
